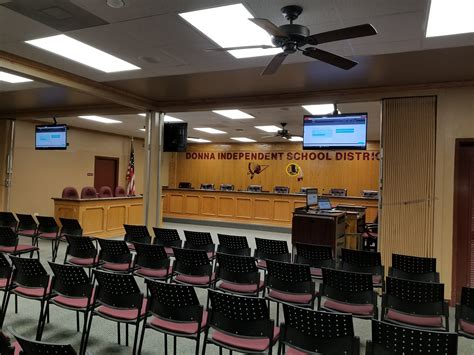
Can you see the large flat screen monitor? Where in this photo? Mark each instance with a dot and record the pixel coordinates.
(342, 131)
(51, 137)
(311, 198)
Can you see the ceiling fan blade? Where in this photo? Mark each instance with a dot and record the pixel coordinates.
(274, 64)
(343, 33)
(269, 26)
(329, 58)
(263, 46)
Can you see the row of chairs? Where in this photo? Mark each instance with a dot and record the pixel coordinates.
(90, 192)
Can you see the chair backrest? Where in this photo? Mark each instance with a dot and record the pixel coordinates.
(7, 219)
(70, 226)
(414, 268)
(191, 262)
(81, 247)
(244, 316)
(114, 251)
(174, 302)
(233, 244)
(314, 255)
(198, 240)
(29, 272)
(47, 224)
(415, 297)
(227, 187)
(70, 192)
(338, 192)
(26, 222)
(347, 286)
(237, 269)
(117, 290)
(184, 185)
(120, 192)
(272, 249)
(167, 237)
(105, 192)
(361, 261)
(281, 189)
(8, 237)
(70, 280)
(465, 310)
(207, 187)
(389, 339)
(303, 189)
(88, 192)
(287, 277)
(137, 234)
(151, 256)
(5, 267)
(318, 332)
(34, 347)
(254, 188)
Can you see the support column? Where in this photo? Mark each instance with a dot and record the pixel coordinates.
(7, 143)
(152, 205)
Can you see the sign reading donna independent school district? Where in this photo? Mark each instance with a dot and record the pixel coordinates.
(252, 156)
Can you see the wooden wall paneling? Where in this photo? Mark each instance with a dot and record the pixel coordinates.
(176, 203)
(282, 210)
(243, 207)
(226, 206)
(262, 209)
(408, 165)
(209, 205)
(191, 204)
(116, 215)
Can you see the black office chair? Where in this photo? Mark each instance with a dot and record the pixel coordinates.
(227, 187)
(338, 192)
(281, 189)
(254, 188)
(184, 185)
(207, 187)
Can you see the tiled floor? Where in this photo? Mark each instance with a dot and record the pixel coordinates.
(103, 339)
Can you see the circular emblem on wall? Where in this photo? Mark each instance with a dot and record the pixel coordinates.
(293, 169)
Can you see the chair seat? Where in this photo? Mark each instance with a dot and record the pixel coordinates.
(179, 327)
(16, 348)
(466, 326)
(316, 272)
(376, 279)
(48, 235)
(357, 309)
(434, 321)
(262, 264)
(245, 343)
(300, 298)
(20, 248)
(73, 302)
(154, 273)
(32, 292)
(195, 280)
(122, 314)
(3, 283)
(27, 232)
(84, 261)
(169, 251)
(130, 246)
(371, 235)
(116, 266)
(241, 288)
(211, 254)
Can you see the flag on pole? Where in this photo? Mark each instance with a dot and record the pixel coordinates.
(131, 172)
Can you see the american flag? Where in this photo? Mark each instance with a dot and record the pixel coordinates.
(131, 172)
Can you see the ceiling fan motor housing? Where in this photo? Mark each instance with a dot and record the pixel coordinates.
(297, 36)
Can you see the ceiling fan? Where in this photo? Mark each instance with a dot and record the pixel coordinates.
(282, 133)
(293, 37)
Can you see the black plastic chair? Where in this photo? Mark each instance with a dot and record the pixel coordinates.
(117, 298)
(72, 290)
(390, 339)
(115, 256)
(464, 324)
(81, 251)
(152, 261)
(29, 280)
(70, 226)
(413, 268)
(307, 331)
(174, 310)
(34, 347)
(233, 244)
(200, 241)
(415, 304)
(5, 281)
(348, 292)
(9, 244)
(238, 274)
(270, 249)
(239, 323)
(316, 256)
(7, 219)
(136, 234)
(168, 238)
(27, 227)
(289, 283)
(364, 261)
(48, 229)
(192, 267)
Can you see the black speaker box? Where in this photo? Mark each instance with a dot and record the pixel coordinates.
(175, 137)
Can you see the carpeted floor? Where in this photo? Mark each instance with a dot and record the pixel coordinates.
(103, 338)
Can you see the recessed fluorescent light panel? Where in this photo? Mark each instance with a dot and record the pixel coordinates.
(210, 130)
(167, 118)
(450, 17)
(269, 129)
(229, 26)
(296, 139)
(142, 129)
(243, 139)
(198, 140)
(82, 53)
(13, 79)
(233, 114)
(321, 109)
(99, 119)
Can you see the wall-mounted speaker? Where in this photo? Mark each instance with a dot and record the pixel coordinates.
(175, 137)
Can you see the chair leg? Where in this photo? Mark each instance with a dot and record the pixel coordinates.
(197, 343)
(78, 325)
(118, 333)
(126, 334)
(16, 304)
(87, 332)
(204, 342)
(278, 313)
(174, 345)
(6, 299)
(83, 336)
(135, 338)
(43, 318)
(142, 337)
(40, 322)
(166, 344)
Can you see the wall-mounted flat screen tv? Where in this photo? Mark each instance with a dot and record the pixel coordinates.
(51, 137)
(341, 131)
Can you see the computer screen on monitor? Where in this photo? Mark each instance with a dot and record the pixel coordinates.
(311, 197)
(50, 137)
(324, 203)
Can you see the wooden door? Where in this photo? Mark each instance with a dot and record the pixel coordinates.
(463, 246)
(106, 172)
